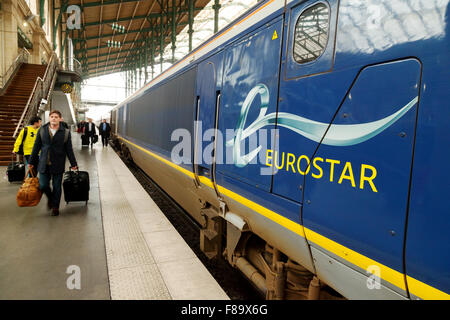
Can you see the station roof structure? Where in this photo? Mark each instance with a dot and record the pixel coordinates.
(118, 35)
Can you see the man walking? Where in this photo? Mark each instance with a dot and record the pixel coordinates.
(25, 140)
(104, 130)
(89, 131)
(54, 143)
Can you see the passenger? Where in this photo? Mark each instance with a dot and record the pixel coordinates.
(64, 124)
(104, 129)
(80, 126)
(54, 142)
(25, 141)
(89, 131)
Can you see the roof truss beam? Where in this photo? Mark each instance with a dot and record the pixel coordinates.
(150, 16)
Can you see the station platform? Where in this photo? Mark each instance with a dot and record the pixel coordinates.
(120, 244)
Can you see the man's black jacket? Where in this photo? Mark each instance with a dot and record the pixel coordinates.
(86, 129)
(55, 147)
(106, 131)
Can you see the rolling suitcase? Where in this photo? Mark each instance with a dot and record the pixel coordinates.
(16, 171)
(76, 186)
(84, 140)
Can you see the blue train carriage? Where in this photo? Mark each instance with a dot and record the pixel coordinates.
(338, 117)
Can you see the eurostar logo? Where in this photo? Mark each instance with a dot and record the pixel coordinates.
(337, 135)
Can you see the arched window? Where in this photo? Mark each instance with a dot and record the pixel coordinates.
(311, 33)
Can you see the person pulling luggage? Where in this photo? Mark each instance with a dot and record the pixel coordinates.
(89, 131)
(104, 129)
(25, 141)
(55, 143)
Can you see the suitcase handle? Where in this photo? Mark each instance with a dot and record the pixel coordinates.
(17, 158)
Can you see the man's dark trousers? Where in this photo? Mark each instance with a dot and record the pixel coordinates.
(104, 140)
(90, 133)
(44, 184)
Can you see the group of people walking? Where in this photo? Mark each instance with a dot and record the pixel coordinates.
(88, 129)
(45, 149)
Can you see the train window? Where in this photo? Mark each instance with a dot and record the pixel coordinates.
(311, 33)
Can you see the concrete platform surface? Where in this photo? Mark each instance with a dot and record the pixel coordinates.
(122, 244)
(37, 249)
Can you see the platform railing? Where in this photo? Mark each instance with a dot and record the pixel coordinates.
(72, 64)
(41, 90)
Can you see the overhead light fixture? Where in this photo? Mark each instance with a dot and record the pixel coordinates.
(113, 44)
(119, 28)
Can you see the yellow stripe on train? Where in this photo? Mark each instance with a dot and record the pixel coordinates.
(392, 276)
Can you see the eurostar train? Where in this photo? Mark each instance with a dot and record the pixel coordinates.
(339, 110)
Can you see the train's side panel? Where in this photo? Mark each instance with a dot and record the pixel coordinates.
(369, 149)
(363, 224)
(428, 237)
(153, 119)
(350, 210)
(250, 94)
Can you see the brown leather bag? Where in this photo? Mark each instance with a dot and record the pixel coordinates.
(29, 193)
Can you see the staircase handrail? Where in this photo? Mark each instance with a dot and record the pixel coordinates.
(22, 57)
(50, 89)
(40, 89)
(48, 80)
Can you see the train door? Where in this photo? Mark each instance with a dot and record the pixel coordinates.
(250, 95)
(346, 140)
(305, 91)
(247, 115)
(122, 121)
(209, 84)
(113, 121)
